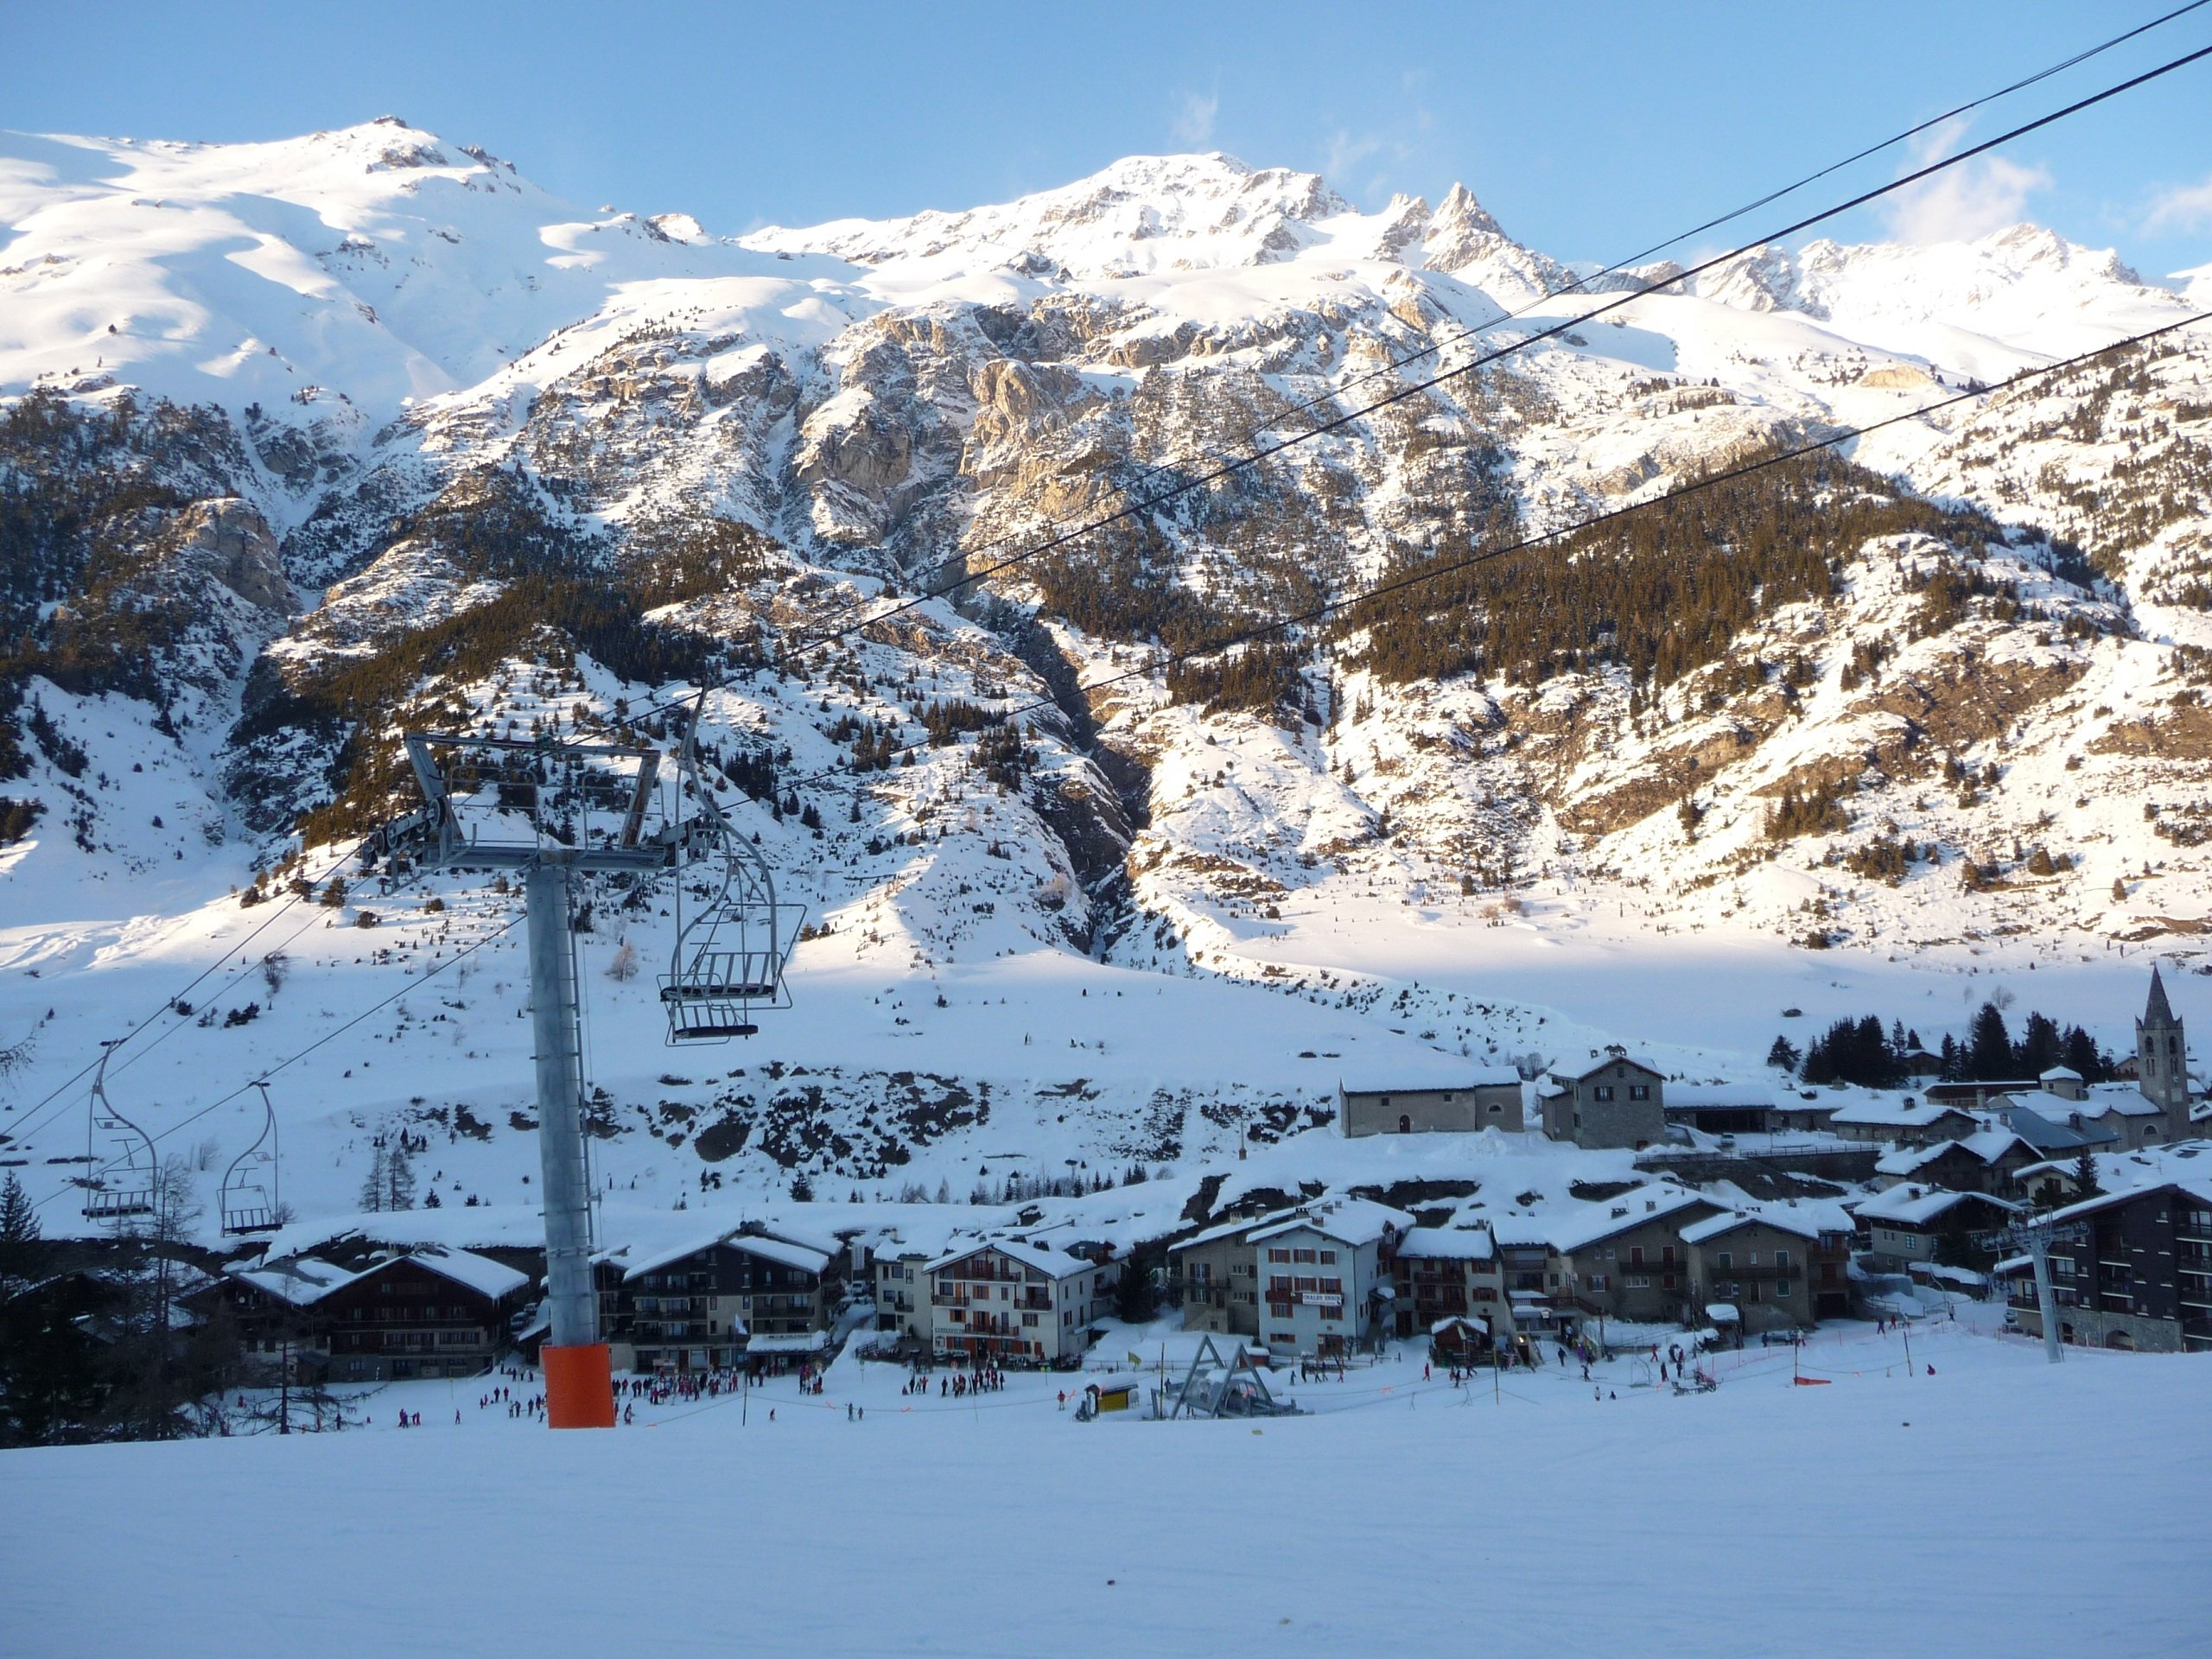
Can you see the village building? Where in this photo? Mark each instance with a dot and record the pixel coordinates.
(1009, 1301)
(1905, 1122)
(2140, 1279)
(1616, 1102)
(1452, 1273)
(1481, 1097)
(2061, 1082)
(1988, 1160)
(1915, 1226)
(1625, 1258)
(900, 1276)
(1325, 1277)
(432, 1313)
(1781, 1266)
(735, 1296)
(2162, 1060)
(275, 1309)
(2051, 1134)
(1721, 1108)
(1215, 1272)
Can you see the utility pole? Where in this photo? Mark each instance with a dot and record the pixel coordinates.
(2036, 1235)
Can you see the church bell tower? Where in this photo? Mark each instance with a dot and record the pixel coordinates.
(2162, 1059)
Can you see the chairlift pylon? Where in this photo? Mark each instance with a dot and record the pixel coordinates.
(729, 955)
(250, 1195)
(121, 1188)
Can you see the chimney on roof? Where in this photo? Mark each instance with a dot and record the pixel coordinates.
(1649, 1204)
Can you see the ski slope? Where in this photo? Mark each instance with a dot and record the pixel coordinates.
(1971, 1510)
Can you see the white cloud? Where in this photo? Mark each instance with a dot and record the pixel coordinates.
(2184, 207)
(1963, 202)
(1346, 151)
(1193, 124)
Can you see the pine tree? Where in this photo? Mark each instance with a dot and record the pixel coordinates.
(1783, 1055)
(19, 1232)
(373, 1189)
(2085, 1174)
(1989, 1045)
(399, 1179)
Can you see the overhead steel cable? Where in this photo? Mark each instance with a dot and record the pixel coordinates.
(1224, 469)
(1229, 468)
(1258, 631)
(331, 1035)
(1319, 612)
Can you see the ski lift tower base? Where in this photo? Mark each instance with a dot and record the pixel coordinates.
(472, 783)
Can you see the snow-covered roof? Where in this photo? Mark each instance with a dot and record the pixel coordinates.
(1448, 1244)
(1916, 1206)
(478, 1273)
(1895, 1114)
(654, 1261)
(298, 1282)
(1723, 1313)
(1602, 1062)
(1602, 1220)
(1693, 1097)
(2061, 1074)
(1054, 1264)
(2195, 1186)
(1348, 1221)
(1804, 1221)
(805, 1257)
(1223, 1229)
(1408, 1082)
(1476, 1321)
(2044, 1134)
(789, 1341)
(1987, 1145)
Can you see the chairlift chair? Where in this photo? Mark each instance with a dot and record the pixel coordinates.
(249, 1198)
(729, 955)
(121, 1188)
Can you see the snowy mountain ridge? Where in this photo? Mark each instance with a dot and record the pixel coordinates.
(304, 443)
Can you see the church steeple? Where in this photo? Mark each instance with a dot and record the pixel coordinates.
(2162, 1058)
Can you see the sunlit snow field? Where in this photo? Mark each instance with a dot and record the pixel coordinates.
(1995, 1506)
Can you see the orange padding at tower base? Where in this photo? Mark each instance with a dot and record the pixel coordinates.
(579, 1386)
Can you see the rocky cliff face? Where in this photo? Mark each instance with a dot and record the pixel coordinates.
(627, 454)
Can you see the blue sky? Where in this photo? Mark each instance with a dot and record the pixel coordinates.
(1590, 129)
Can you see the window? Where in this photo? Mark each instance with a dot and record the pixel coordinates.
(1752, 1259)
(1328, 1258)
(1332, 1287)
(1725, 1260)
(1282, 1339)
(1601, 1091)
(1911, 1245)
(1274, 1254)
(1781, 1287)
(1781, 1261)
(1608, 1252)
(1029, 1318)
(1636, 1255)
(1639, 1091)
(1597, 1281)
(1301, 1255)
(1639, 1281)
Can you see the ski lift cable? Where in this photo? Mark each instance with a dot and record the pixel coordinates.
(1619, 265)
(1135, 509)
(1402, 393)
(266, 923)
(57, 1099)
(1534, 543)
(329, 1036)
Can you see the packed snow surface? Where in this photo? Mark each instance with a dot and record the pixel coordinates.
(1957, 1506)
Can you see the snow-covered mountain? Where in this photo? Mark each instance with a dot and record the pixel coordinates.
(301, 442)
